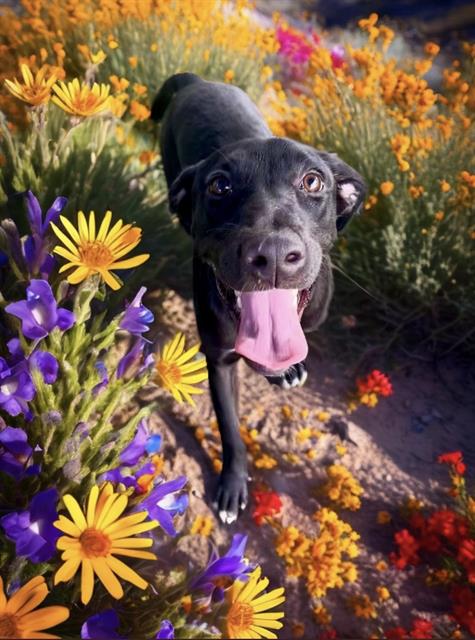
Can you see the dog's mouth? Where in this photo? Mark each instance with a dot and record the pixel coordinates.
(269, 333)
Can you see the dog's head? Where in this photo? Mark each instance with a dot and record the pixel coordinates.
(263, 212)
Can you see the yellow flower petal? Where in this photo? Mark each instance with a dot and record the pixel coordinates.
(31, 590)
(91, 505)
(135, 553)
(44, 618)
(67, 570)
(108, 579)
(75, 511)
(67, 526)
(126, 573)
(87, 581)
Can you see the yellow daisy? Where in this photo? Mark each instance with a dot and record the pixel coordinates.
(36, 90)
(18, 618)
(248, 616)
(176, 373)
(81, 99)
(97, 253)
(94, 538)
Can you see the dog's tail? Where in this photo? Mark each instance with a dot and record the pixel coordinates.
(168, 90)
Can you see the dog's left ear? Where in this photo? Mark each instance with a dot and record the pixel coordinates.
(351, 189)
(180, 196)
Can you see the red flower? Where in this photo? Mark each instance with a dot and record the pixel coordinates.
(421, 629)
(408, 550)
(463, 607)
(375, 382)
(268, 503)
(395, 633)
(466, 557)
(455, 459)
(330, 634)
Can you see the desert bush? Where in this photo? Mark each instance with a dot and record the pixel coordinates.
(412, 249)
(112, 160)
(81, 473)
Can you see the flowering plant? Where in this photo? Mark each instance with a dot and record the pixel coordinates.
(444, 541)
(82, 490)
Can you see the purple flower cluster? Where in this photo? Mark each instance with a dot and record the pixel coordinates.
(16, 453)
(39, 315)
(143, 444)
(32, 530)
(231, 566)
(35, 247)
(165, 502)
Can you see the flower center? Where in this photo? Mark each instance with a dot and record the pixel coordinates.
(95, 254)
(8, 628)
(94, 543)
(169, 373)
(241, 615)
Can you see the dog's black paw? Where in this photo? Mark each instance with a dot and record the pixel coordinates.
(231, 497)
(295, 376)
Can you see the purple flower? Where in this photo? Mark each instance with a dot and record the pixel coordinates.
(39, 313)
(166, 631)
(141, 444)
(32, 530)
(102, 626)
(46, 364)
(231, 566)
(16, 389)
(35, 248)
(137, 317)
(15, 453)
(43, 361)
(102, 370)
(134, 357)
(163, 504)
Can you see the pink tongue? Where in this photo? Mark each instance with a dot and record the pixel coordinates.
(269, 331)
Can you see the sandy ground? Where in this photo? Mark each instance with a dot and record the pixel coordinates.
(397, 442)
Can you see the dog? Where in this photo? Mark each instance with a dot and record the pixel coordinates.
(263, 213)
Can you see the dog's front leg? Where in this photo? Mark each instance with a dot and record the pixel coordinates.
(232, 488)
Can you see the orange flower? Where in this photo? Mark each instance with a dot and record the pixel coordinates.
(432, 49)
(386, 187)
(444, 186)
(139, 111)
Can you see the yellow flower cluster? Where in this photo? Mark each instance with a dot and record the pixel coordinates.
(324, 561)
(362, 607)
(202, 526)
(342, 487)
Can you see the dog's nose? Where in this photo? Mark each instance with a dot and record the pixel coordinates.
(274, 258)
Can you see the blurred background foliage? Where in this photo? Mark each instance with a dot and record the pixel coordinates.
(405, 268)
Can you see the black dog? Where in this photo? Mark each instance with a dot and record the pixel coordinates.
(263, 213)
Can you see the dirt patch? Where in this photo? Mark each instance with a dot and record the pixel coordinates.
(394, 456)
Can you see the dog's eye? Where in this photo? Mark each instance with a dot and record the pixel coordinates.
(312, 182)
(220, 186)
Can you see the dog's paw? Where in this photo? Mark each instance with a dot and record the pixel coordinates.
(231, 497)
(295, 376)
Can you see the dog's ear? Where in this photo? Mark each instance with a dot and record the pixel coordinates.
(180, 196)
(351, 189)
